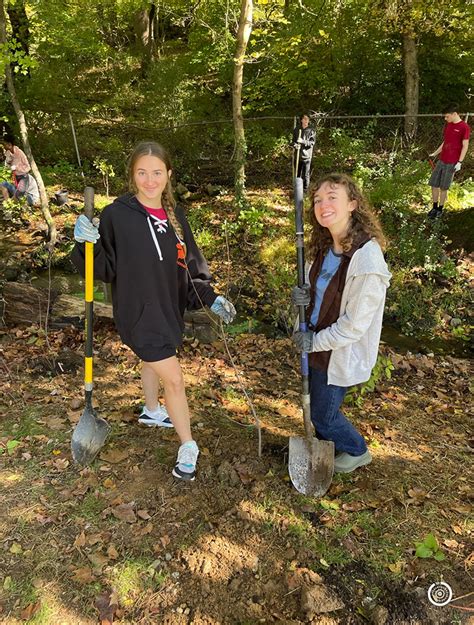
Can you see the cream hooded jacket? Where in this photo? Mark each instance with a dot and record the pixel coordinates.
(354, 338)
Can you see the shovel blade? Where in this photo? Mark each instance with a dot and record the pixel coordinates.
(311, 465)
(88, 437)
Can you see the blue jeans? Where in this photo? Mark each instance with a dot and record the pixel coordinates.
(327, 418)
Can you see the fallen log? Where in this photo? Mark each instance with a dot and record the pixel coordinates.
(26, 305)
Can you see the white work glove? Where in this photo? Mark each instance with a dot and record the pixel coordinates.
(224, 309)
(85, 230)
(458, 166)
(300, 140)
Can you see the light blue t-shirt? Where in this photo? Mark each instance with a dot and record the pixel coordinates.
(330, 266)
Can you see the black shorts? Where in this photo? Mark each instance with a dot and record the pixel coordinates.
(153, 353)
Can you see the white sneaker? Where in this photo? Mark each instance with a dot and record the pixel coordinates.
(185, 467)
(157, 418)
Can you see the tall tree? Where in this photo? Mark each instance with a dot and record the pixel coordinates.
(23, 126)
(408, 20)
(243, 35)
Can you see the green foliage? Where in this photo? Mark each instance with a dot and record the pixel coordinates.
(429, 548)
(250, 219)
(207, 242)
(106, 170)
(382, 370)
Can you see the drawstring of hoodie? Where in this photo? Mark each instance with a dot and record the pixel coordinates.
(155, 240)
(162, 225)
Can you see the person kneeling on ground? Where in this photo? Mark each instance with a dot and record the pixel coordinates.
(25, 185)
(345, 298)
(145, 248)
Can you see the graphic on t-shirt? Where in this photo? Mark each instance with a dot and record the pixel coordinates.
(181, 260)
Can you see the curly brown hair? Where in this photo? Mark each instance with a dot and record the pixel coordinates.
(363, 219)
(151, 148)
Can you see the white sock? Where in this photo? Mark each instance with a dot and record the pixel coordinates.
(157, 412)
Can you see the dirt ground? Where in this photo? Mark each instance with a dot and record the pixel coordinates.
(123, 542)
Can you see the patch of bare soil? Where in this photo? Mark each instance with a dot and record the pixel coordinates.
(124, 542)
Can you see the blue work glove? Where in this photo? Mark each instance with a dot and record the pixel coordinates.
(224, 309)
(84, 230)
(303, 341)
(300, 296)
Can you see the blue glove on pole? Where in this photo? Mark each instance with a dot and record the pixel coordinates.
(84, 230)
(224, 309)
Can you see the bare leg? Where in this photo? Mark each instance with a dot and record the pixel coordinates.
(435, 191)
(169, 372)
(5, 193)
(443, 194)
(151, 386)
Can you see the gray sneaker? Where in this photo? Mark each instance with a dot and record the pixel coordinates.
(345, 463)
(185, 467)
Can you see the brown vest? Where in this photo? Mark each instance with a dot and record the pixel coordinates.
(331, 304)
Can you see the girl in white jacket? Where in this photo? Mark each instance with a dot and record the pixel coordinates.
(345, 298)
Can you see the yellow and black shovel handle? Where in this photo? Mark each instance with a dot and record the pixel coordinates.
(89, 299)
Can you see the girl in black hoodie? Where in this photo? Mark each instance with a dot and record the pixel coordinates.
(145, 248)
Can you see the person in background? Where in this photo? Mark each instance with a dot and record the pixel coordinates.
(24, 184)
(145, 248)
(303, 144)
(451, 155)
(345, 298)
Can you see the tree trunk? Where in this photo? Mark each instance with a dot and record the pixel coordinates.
(20, 25)
(24, 133)
(412, 79)
(243, 35)
(145, 28)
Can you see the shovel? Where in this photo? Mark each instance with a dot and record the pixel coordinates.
(91, 431)
(310, 461)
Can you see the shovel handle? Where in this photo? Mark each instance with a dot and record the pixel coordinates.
(89, 297)
(89, 202)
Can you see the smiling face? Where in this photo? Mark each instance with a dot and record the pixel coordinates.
(333, 208)
(150, 177)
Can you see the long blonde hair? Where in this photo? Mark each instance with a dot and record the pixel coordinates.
(363, 220)
(151, 148)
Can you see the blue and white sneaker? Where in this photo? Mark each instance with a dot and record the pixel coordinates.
(185, 467)
(157, 418)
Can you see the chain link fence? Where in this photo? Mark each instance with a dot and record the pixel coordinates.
(203, 151)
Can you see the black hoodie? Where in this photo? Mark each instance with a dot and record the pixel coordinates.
(150, 285)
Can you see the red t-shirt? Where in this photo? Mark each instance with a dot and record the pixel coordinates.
(156, 212)
(454, 135)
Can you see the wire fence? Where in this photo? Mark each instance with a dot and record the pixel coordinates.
(203, 150)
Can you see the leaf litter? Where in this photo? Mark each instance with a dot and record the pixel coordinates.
(226, 548)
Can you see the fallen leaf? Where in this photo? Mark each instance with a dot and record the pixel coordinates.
(106, 604)
(16, 548)
(143, 514)
(80, 540)
(99, 560)
(112, 552)
(456, 529)
(109, 483)
(113, 456)
(82, 575)
(30, 610)
(125, 512)
(451, 543)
